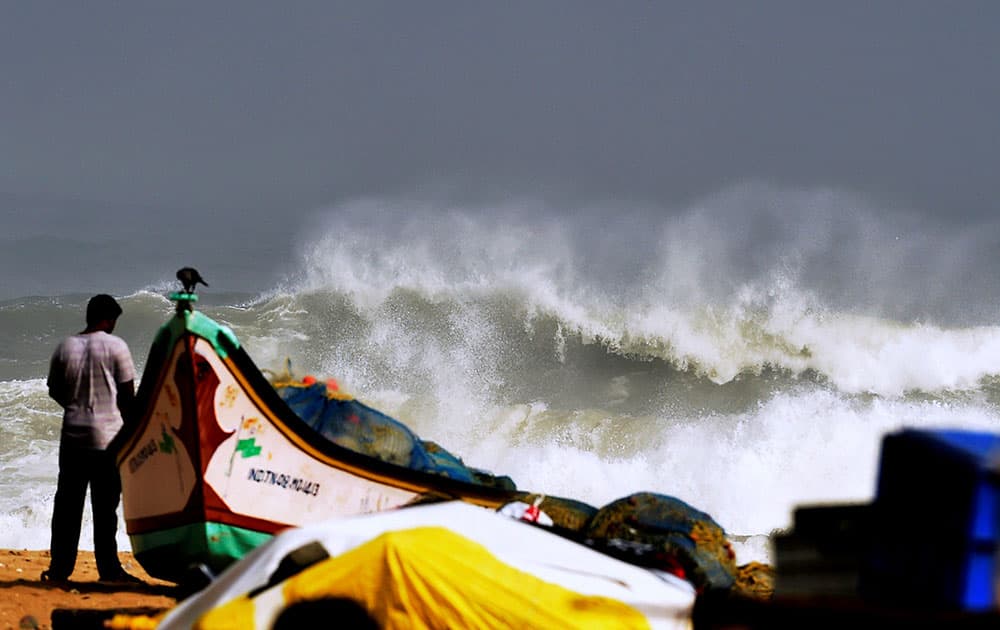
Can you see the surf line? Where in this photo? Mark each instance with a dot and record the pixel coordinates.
(283, 481)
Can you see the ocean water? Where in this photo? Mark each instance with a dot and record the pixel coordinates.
(741, 362)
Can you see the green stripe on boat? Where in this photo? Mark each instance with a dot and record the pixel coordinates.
(222, 338)
(220, 545)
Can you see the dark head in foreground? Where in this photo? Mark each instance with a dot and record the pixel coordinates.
(336, 612)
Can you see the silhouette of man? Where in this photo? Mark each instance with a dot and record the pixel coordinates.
(91, 375)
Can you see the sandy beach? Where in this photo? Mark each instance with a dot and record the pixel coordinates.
(27, 602)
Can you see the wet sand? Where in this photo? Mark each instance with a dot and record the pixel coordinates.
(24, 595)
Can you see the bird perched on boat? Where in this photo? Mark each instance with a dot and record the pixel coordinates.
(189, 277)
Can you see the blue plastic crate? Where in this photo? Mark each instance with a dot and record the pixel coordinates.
(936, 520)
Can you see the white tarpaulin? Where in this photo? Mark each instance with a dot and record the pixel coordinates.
(664, 600)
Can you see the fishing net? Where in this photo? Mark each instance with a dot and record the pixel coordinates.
(664, 532)
(349, 423)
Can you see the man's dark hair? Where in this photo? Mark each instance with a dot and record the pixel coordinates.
(101, 307)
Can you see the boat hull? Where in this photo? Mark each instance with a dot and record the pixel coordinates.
(217, 463)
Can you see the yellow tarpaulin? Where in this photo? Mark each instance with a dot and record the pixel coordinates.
(430, 577)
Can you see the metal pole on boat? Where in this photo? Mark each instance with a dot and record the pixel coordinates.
(184, 301)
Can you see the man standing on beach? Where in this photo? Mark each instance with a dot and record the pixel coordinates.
(92, 377)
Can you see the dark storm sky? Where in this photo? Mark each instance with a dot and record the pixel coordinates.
(268, 105)
(114, 113)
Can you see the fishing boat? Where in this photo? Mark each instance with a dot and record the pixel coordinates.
(216, 461)
(218, 458)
